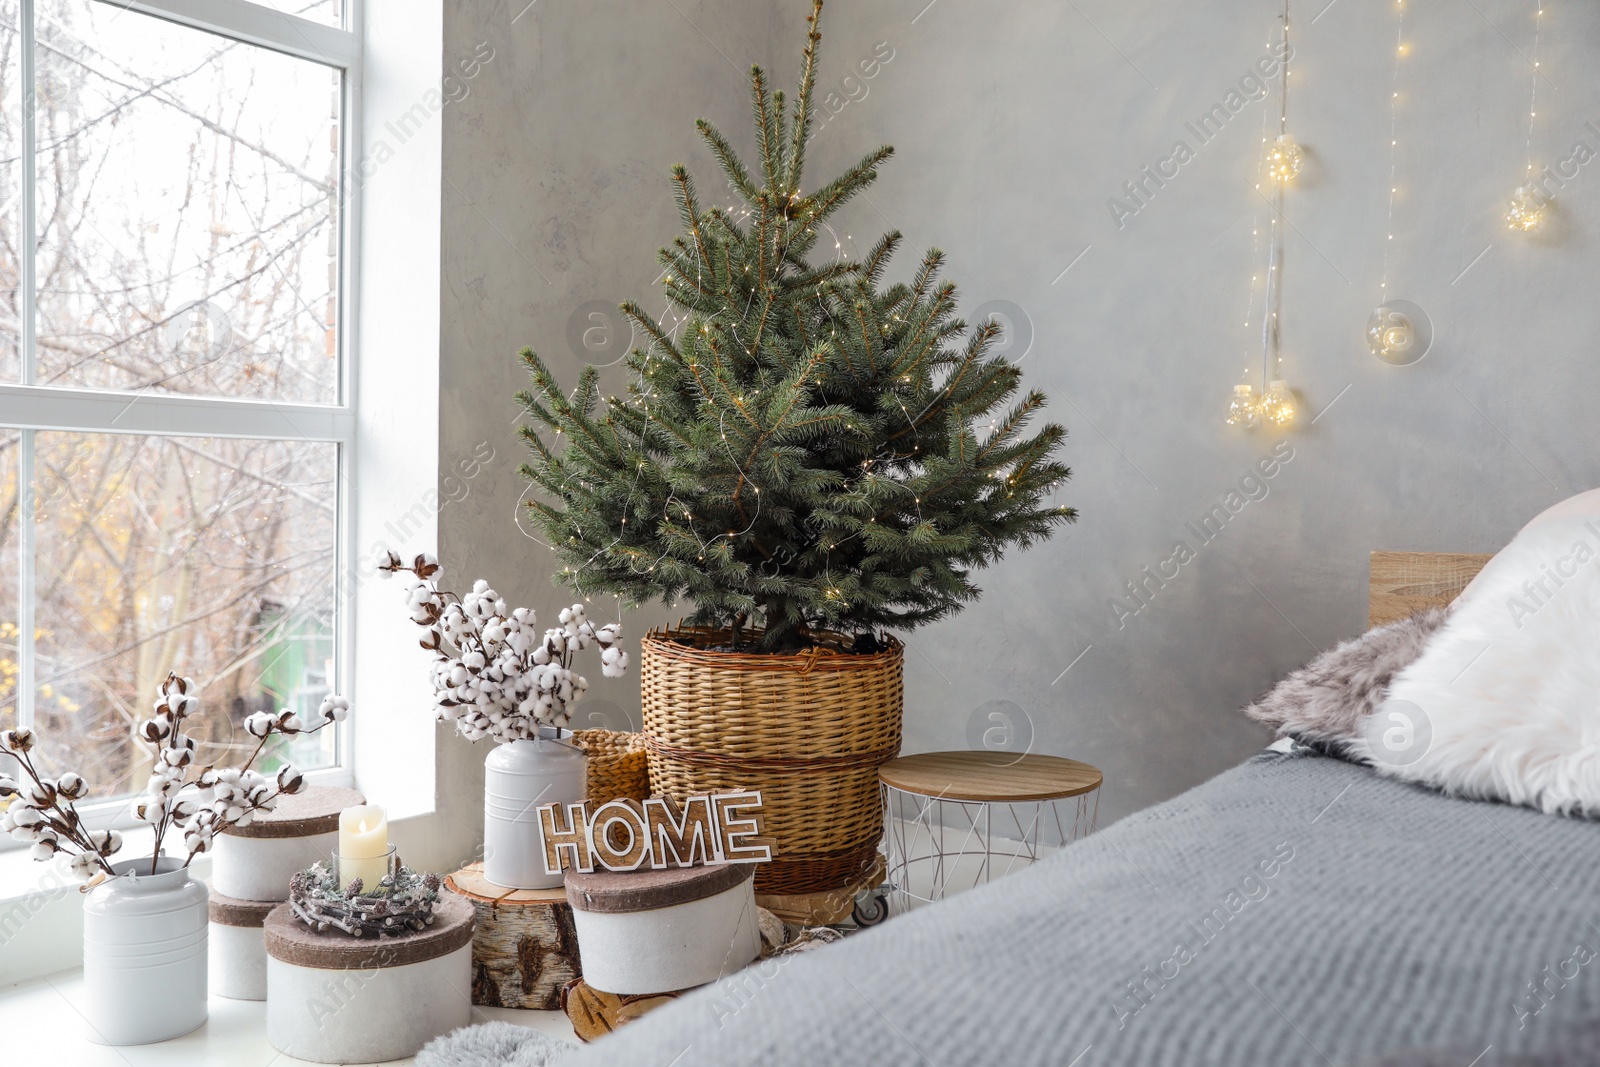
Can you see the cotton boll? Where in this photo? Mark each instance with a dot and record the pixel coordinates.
(17, 741)
(84, 867)
(149, 809)
(70, 786)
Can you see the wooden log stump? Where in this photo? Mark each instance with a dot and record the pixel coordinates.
(525, 948)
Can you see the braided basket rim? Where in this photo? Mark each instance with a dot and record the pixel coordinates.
(663, 641)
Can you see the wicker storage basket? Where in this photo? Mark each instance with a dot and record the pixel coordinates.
(618, 767)
(808, 730)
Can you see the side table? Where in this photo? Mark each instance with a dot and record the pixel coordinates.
(928, 859)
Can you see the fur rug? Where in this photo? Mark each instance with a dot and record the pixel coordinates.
(1326, 704)
(1504, 702)
(494, 1044)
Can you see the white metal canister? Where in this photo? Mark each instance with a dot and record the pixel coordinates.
(518, 778)
(144, 954)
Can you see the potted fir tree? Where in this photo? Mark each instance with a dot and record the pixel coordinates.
(810, 456)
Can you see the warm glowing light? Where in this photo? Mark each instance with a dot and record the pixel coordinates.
(1284, 159)
(1390, 334)
(1244, 409)
(1278, 405)
(1526, 211)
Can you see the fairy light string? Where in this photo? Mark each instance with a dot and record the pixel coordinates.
(1389, 330)
(1275, 405)
(1528, 202)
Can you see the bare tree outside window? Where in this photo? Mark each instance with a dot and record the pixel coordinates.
(186, 242)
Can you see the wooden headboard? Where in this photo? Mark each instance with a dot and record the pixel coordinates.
(1404, 583)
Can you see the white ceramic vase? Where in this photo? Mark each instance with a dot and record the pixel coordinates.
(517, 779)
(144, 954)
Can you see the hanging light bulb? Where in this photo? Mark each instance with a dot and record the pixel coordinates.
(1390, 335)
(1284, 158)
(1278, 406)
(1526, 212)
(1244, 410)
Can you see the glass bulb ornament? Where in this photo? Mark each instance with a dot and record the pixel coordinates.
(1526, 211)
(1244, 410)
(1278, 407)
(1284, 159)
(1390, 335)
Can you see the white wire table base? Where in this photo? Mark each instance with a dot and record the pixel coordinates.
(928, 860)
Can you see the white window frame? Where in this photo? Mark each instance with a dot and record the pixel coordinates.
(29, 407)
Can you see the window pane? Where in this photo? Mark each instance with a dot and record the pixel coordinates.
(210, 557)
(327, 12)
(10, 447)
(187, 210)
(10, 191)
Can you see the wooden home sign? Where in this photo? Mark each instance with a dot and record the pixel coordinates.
(633, 835)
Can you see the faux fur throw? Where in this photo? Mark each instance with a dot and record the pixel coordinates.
(1504, 702)
(494, 1044)
(1327, 703)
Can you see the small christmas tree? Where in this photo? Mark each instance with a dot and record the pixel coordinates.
(802, 447)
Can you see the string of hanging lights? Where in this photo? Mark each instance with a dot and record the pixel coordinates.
(1390, 331)
(1275, 405)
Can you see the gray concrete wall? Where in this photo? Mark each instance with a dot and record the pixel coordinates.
(1015, 124)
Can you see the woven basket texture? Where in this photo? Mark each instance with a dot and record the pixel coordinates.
(808, 730)
(618, 766)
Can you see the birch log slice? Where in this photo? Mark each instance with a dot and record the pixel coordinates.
(525, 948)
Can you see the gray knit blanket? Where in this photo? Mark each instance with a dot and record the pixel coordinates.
(1294, 910)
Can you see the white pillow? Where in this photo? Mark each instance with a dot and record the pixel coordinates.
(1504, 701)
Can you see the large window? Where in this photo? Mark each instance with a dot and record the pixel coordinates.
(176, 411)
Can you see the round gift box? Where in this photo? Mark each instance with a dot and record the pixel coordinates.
(662, 931)
(238, 957)
(333, 998)
(255, 862)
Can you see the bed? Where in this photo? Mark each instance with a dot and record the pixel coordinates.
(1296, 909)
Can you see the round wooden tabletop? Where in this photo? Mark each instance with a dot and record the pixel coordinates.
(990, 777)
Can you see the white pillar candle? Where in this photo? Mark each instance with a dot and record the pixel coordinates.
(363, 845)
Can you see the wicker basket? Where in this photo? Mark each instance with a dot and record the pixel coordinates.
(618, 767)
(808, 730)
